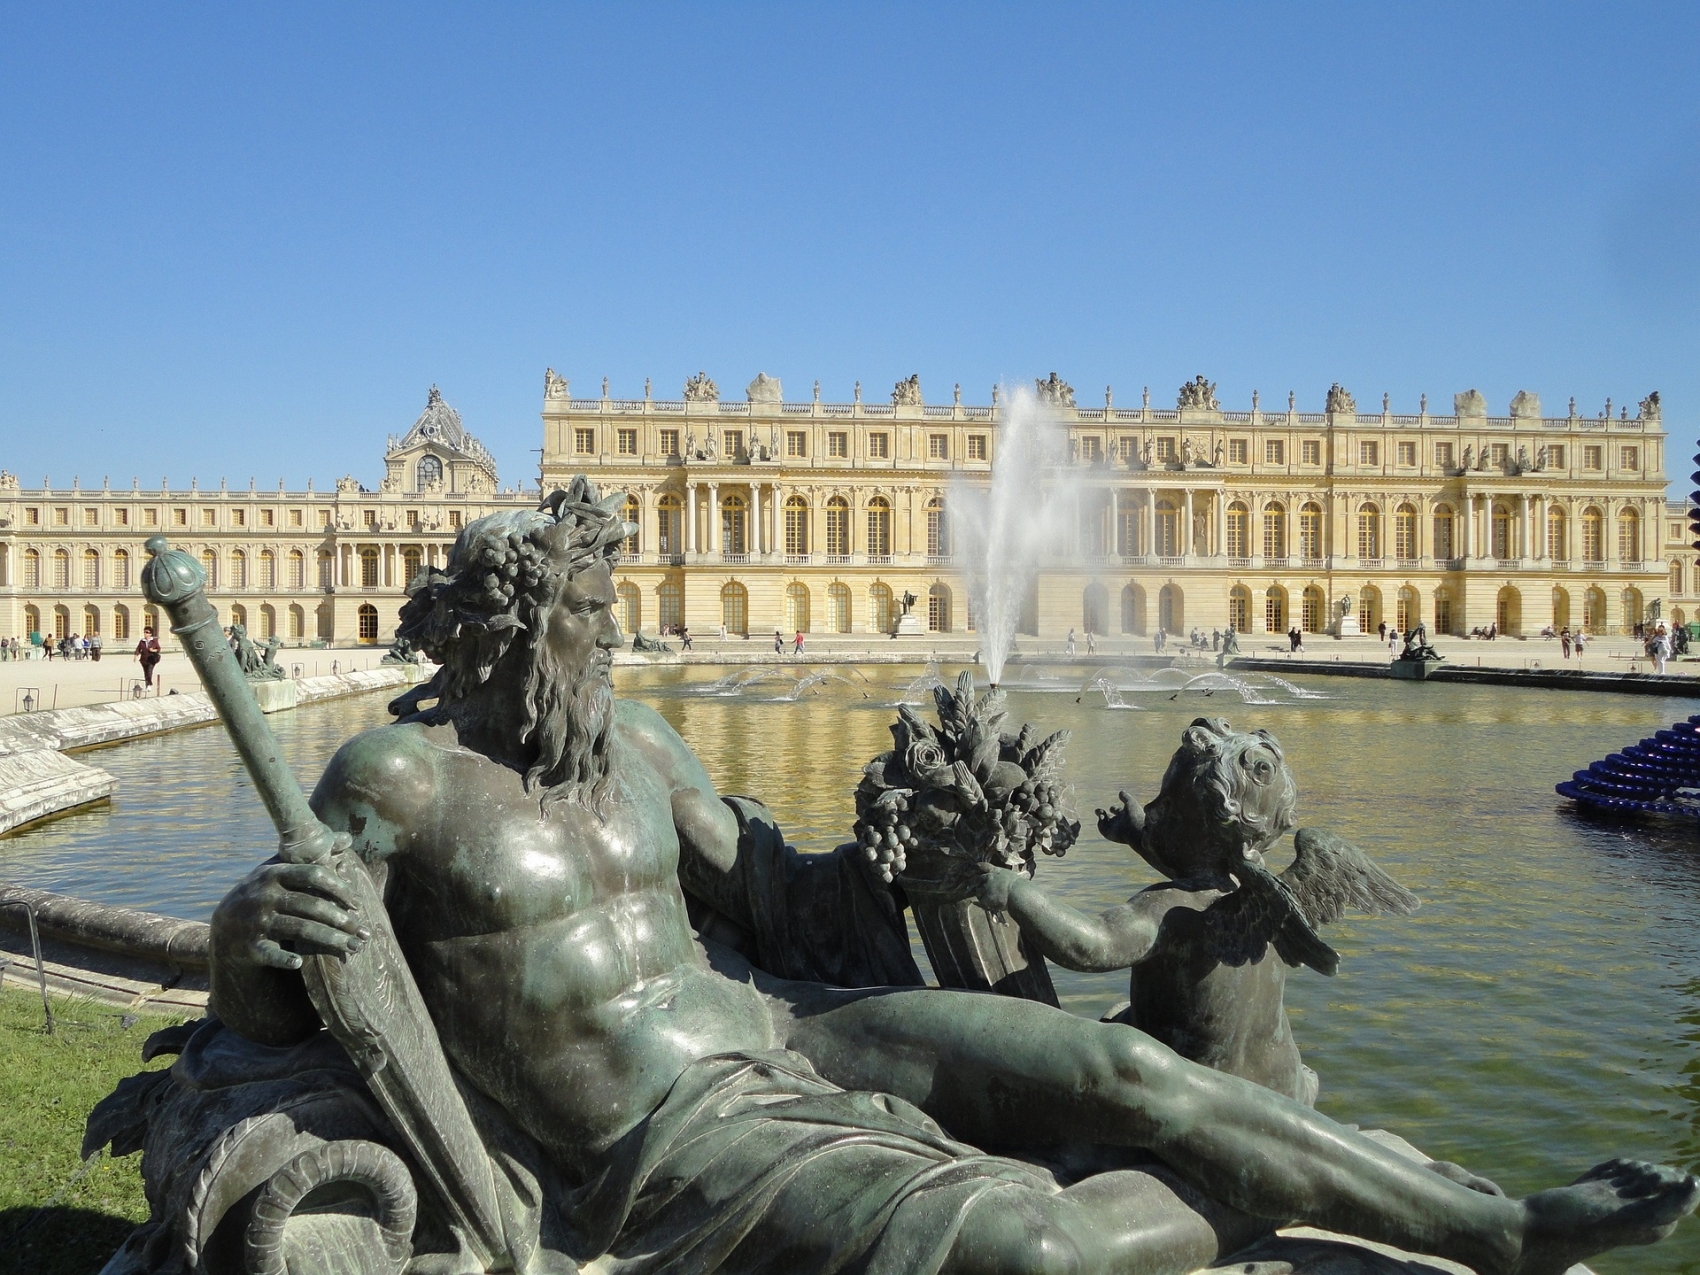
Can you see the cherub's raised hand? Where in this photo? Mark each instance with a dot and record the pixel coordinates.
(1124, 821)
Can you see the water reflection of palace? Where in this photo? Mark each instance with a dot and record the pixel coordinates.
(765, 514)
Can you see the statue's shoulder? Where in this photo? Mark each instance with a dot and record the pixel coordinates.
(640, 722)
(391, 770)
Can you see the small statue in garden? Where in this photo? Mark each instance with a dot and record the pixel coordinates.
(402, 651)
(257, 665)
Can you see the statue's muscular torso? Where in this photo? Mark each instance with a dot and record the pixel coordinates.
(551, 946)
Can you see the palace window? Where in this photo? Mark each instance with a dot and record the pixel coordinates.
(1502, 532)
(1127, 447)
(91, 569)
(1593, 535)
(91, 517)
(61, 517)
(1369, 453)
(733, 441)
(297, 569)
(1275, 610)
(369, 519)
(879, 528)
(1631, 458)
(368, 618)
(1310, 452)
(1237, 451)
(179, 517)
(327, 571)
(938, 446)
(238, 517)
(1408, 454)
(1405, 532)
(325, 519)
(669, 442)
(296, 517)
(1629, 536)
(1558, 543)
(938, 529)
(1369, 531)
(368, 568)
(268, 517)
(796, 526)
(209, 564)
(1443, 455)
(584, 442)
(150, 517)
(626, 442)
(32, 517)
(1443, 532)
(1275, 451)
(837, 527)
(1274, 532)
(733, 525)
(413, 520)
(1237, 532)
(238, 570)
(428, 471)
(454, 519)
(121, 569)
(1555, 457)
(1592, 457)
(268, 569)
(1499, 456)
(121, 517)
(796, 442)
(209, 517)
(838, 444)
(1310, 532)
(32, 569)
(879, 446)
(1239, 608)
(1165, 449)
(977, 446)
(1090, 450)
(669, 518)
(632, 514)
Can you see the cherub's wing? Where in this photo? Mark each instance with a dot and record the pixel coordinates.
(1329, 875)
(1263, 911)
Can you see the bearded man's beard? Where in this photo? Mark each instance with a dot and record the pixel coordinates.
(570, 719)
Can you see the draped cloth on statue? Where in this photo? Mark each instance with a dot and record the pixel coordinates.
(756, 1165)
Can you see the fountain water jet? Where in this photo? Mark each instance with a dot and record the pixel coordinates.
(1006, 531)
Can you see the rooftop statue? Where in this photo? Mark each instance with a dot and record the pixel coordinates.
(907, 392)
(580, 1007)
(1469, 403)
(764, 389)
(1211, 947)
(1198, 393)
(1526, 405)
(554, 384)
(1340, 400)
(1052, 390)
(1650, 410)
(699, 389)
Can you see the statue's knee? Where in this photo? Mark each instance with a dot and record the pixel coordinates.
(1029, 1235)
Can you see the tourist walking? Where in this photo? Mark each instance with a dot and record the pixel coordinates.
(1661, 649)
(1091, 643)
(95, 648)
(147, 652)
(1157, 641)
(684, 633)
(1580, 643)
(778, 642)
(1564, 641)
(1295, 639)
(797, 647)
(1068, 646)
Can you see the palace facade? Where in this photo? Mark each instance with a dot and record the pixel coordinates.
(304, 566)
(765, 514)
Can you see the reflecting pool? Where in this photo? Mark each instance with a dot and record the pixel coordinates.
(1541, 1012)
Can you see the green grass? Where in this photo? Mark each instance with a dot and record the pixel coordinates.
(48, 1083)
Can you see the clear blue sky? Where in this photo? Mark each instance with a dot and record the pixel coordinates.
(244, 240)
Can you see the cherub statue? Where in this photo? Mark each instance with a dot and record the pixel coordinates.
(1210, 948)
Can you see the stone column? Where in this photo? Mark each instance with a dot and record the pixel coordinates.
(1466, 516)
(715, 542)
(1220, 522)
(1523, 506)
(688, 519)
(1186, 532)
(1608, 533)
(1150, 545)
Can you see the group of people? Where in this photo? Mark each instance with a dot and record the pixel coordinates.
(73, 646)
(779, 643)
(1091, 643)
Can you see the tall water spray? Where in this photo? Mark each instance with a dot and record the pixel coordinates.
(1006, 532)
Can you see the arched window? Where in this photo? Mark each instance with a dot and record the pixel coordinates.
(1094, 608)
(1168, 530)
(797, 607)
(629, 511)
(209, 564)
(1310, 532)
(61, 622)
(1274, 531)
(239, 615)
(631, 606)
(91, 569)
(838, 527)
(1628, 537)
(669, 524)
(1675, 577)
(1133, 609)
(1313, 610)
(1442, 610)
(1129, 531)
(1409, 610)
(879, 528)
(938, 609)
(1632, 614)
(1508, 611)
(268, 622)
(32, 620)
(733, 525)
(1369, 532)
(325, 618)
(368, 567)
(670, 605)
(368, 622)
(61, 569)
(1504, 533)
(297, 621)
(1443, 548)
(268, 569)
(881, 617)
(1171, 609)
(1594, 610)
(297, 569)
(238, 569)
(1558, 542)
(1405, 534)
(1560, 608)
(938, 529)
(91, 621)
(1369, 608)
(1239, 608)
(838, 607)
(412, 558)
(1593, 537)
(796, 527)
(428, 471)
(735, 608)
(1239, 533)
(1275, 610)
(32, 571)
(120, 623)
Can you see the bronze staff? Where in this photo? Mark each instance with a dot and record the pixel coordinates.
(368, 1000)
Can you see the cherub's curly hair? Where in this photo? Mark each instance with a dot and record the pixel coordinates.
(1208, 784)
(503, 574)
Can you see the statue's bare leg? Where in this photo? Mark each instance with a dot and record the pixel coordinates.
(1005, 1073)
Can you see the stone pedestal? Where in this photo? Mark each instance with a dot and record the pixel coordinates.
(276, 696)
(1348, 627)
(910, 625)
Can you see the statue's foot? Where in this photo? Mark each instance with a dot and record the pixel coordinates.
(1613, 1205)
(1463, 1177)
